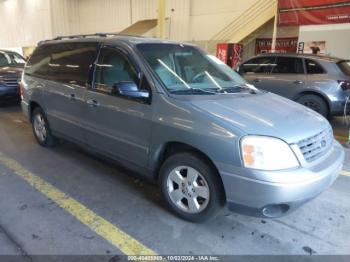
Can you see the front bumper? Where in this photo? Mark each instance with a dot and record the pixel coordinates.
(8, 92)
(274, 193)
(25, 109)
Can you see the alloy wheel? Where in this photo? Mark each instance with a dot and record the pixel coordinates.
(188, 189)
(40, 127)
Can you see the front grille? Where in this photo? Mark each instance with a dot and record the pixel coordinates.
(11, 81)
(316, 146)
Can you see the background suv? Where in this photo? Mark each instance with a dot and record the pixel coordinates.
(318, 82)
(11, 67)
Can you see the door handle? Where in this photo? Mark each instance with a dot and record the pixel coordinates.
(298, 82)
(72, 97)
(257, 80)
(93, 103)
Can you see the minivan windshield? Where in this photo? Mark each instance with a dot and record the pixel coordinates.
(10, 59)
(185, 69)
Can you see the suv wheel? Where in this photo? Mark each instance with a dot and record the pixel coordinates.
(41, 129)
(191, 188)
(315, 103)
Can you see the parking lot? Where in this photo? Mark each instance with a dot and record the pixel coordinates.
(66, 201)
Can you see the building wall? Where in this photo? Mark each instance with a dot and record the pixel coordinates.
(187, 20)
(208, 17)
(337, 38)
(24, 22)
(267, 32)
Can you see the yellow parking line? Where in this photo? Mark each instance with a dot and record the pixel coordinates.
(345, 173)
(124, 242)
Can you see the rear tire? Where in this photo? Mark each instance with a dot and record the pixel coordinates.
(41, 129)
(315, 103)
(191, 187)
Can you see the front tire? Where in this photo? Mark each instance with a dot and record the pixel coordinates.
(41, 129)
(191, 187)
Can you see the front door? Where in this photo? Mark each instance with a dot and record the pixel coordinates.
(281, 75)
(115, 125)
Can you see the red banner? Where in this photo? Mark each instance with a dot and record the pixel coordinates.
(313, 12)
(283, 45)
(230, 54)
(222, 52)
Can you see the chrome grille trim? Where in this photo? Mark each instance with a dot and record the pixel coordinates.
(11, 81)
(316, 146)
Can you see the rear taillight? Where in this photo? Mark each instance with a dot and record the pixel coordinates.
(21, 90)
(345, 85)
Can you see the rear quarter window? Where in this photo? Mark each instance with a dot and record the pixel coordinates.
(68, 63)
(38, 63)
(345, 67)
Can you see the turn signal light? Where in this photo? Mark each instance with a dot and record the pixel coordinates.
(248, 156)
(345, 85)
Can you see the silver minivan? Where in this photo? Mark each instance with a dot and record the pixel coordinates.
(179, 116)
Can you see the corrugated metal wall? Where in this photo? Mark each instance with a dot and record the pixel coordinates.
(23, 22)
(29, 21)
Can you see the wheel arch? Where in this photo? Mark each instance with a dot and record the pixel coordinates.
(171, 148)
(315, 93)
(32, 106)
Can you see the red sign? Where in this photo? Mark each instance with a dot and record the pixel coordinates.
(283, 45)
(313, 12)
(237, 51)
(222, 52)
(230, 54)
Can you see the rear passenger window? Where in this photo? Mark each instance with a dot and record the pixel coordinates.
(289, 65)
(313, 67)
(71, 63)
(112, 68)
(260, 65)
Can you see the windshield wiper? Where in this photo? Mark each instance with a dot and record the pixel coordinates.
(237, 89)
(194, 91)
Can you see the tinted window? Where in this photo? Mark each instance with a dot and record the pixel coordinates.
(71, 63)
(260, 65)
(112, 68)
(345, 67)
(289, 65)
(38, 63)
(313, 67)
(66, 63)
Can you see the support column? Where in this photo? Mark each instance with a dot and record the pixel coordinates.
(274, 36)
(161, 19)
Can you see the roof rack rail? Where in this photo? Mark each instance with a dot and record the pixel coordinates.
(85, 36)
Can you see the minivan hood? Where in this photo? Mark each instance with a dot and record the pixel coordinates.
(264, 114)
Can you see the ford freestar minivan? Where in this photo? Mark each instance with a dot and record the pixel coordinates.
(177, 115)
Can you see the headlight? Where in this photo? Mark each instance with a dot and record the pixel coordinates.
(267, 153)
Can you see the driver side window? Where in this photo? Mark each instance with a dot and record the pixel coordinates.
(112, 68)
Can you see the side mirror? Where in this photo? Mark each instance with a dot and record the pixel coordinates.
(130, 90)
